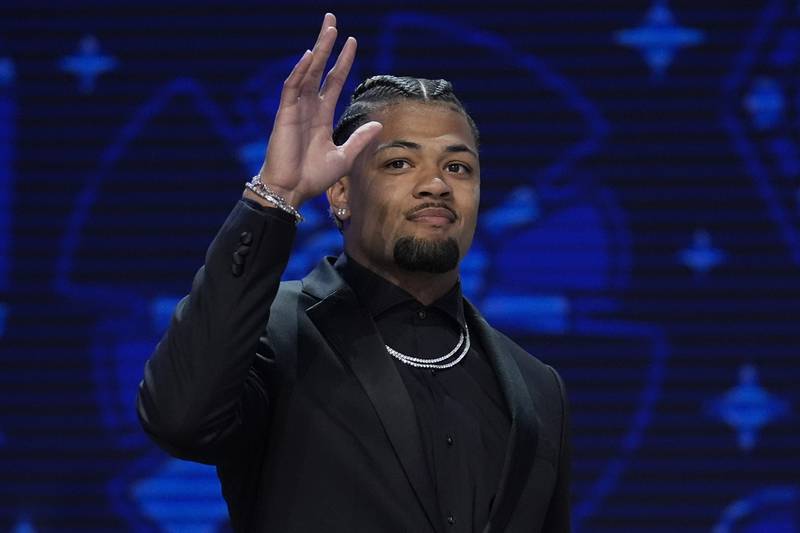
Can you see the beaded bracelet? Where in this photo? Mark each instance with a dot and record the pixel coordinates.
(263, 191)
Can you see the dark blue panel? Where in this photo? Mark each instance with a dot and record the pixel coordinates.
(639, 230)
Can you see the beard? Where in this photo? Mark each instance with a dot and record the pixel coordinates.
(423, 255)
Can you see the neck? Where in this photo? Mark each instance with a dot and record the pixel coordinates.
(425, 287)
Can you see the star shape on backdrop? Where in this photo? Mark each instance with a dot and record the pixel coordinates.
(748, 407)
(765, 103)
(760, 98)
(658, 38)
(88, 63)
(701, 256)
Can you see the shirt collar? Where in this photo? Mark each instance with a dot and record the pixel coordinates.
(379, 295)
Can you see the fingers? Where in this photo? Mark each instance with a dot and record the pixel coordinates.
(360, 138)
(335, 80)
(321, 53)
(329, 20)
(291, 87)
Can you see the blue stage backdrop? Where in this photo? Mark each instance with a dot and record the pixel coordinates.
(639, 230)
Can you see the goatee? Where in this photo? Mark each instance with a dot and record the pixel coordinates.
(423, 255)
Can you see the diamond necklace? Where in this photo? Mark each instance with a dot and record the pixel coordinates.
(422, 362)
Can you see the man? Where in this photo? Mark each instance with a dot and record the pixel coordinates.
(370, 396)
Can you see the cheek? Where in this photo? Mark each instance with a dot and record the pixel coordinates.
(389, 222)
(381, 219)
(472, 201)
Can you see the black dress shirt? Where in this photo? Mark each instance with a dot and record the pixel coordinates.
(461, 413)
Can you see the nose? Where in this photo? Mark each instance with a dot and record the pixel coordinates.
(432, 186)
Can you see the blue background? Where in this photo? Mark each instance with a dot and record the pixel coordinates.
(639, 230)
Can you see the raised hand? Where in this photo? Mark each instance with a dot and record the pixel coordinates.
(302, 161)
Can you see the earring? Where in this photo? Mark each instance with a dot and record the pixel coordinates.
(341, 211)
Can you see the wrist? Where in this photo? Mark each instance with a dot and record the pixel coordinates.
(250, 195)
(291, 196)
(269, 197)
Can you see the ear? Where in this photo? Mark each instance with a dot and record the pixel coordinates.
(339, 198)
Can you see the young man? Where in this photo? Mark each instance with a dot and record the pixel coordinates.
(370, 396)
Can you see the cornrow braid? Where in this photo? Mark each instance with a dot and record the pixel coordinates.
(379, 91)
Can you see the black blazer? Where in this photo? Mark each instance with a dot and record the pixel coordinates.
(308, 422)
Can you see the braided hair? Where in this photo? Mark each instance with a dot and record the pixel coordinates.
(379, 91)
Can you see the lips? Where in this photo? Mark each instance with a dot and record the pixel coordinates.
(434, 215)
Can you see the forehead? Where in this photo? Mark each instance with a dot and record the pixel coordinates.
(420, 122)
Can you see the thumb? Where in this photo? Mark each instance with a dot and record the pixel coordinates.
(359, 139)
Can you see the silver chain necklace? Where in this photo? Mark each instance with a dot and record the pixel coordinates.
(422, 362)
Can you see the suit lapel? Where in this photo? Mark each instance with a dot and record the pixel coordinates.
(347, 326)
(523, 436)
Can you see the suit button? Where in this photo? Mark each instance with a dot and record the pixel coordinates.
(243, 250)
(237, 259)
(450, 440)
(246, 237)
(236, 270)
(451, 520)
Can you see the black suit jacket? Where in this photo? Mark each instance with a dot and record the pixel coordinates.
(308, 421)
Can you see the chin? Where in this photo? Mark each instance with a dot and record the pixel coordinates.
(422, 254)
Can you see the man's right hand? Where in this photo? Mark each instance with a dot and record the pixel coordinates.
(302, 161)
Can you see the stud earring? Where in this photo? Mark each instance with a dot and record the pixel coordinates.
(341, 211)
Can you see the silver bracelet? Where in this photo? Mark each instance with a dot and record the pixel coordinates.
(263, 191)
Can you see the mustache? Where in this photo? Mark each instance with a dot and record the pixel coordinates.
(426, 205)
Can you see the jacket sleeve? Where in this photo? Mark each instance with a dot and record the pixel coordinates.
(199, 388)
(558, 519)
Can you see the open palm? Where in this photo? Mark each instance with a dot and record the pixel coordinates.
(302, 161)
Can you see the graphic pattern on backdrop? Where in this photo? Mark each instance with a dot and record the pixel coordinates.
(645, 244)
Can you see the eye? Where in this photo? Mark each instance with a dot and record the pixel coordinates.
(397, 164)
(458, 168)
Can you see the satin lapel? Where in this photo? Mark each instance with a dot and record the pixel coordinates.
(350, 330)
(523, 437)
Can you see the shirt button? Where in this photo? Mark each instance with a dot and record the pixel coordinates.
(450, 440)
(422, 314)
(451, 520)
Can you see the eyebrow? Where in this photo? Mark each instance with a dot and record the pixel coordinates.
(453, 148)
